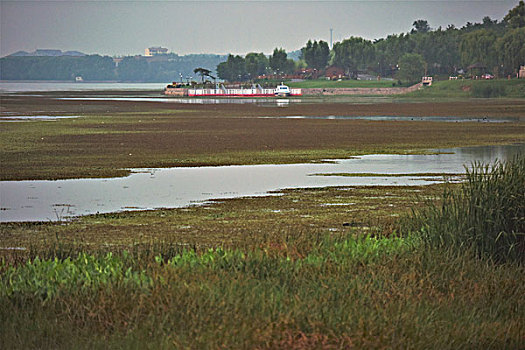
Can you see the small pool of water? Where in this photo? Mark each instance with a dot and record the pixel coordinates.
(449, 119)
(179, 187)
(26, 118)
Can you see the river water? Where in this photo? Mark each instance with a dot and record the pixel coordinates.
(179, 187)
(35, 86)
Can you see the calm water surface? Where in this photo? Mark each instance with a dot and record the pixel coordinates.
(34, 86)
(179, 187)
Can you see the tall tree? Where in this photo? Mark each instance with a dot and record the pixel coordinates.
(234, 69)
(478, 46)
(279, 61)
(411, 67)
(511, 49)
(516, 16)
(256, 64)
(316, 54)
(420, 26)
(439, 48)
(352, 54)
(203, 72)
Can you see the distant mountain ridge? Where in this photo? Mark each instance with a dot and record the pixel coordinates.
(47, 53)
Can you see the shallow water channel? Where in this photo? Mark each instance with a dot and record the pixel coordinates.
(179, 187)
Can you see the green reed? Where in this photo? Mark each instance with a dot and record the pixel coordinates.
(486, 214)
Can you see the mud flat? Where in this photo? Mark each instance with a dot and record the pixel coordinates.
(112, 136)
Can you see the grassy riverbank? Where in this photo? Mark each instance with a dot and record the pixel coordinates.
(462, 89)
(372, 282)
(308, 84)
(449, 89)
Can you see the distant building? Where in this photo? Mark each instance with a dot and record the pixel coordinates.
(426, 81)
(334, 73)
(153, 51)
(521, 73)
(117, 60)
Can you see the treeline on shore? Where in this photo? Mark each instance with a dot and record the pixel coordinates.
(476, 48)
(160, 68)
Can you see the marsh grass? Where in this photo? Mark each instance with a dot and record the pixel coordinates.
(362, 292)
(289, 289)
(486, 213)
(113, 136)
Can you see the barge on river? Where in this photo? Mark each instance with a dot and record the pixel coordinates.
(222, 91)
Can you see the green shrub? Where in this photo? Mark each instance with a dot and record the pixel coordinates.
(486, 214)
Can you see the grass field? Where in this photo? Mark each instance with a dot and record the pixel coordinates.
(514, 88)
(341, 84)
(449, 90)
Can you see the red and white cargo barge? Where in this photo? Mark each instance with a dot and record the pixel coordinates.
(221, 91)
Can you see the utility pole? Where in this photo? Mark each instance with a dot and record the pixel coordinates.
(331, 31)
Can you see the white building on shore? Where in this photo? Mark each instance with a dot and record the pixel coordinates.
(154, 51)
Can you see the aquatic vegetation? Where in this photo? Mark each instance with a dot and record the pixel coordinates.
(113, 136)
(85, 273)
(486, 213)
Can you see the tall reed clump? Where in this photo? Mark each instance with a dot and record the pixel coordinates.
(486, 214)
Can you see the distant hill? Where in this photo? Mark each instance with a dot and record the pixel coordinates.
(47, 53)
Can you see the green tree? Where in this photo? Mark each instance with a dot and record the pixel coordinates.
(234, 69)
(316, 54)
(516, 16)
(439, 49)
(420, 26)
(388, 51)
(352, 54)
(256, 64)
(511, 49)
(411, 67)
(479, 46)
(280, 63)
(203, 72)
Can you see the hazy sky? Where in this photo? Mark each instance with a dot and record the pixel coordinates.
(128, 27)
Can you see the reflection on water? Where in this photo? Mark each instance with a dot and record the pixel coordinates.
(193, 100)
(396, 118)
(178, 187)
(46, 118)
(31, 86)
